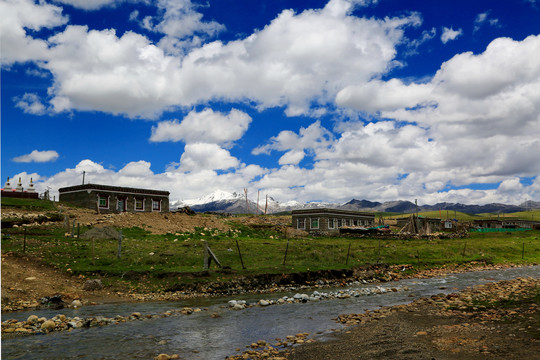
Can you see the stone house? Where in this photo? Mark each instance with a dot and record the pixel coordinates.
(114, 199)
(329, 221)
(434, 224)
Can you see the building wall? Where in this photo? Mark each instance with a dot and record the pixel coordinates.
(89, 199)
(329, 223)
(18, 194)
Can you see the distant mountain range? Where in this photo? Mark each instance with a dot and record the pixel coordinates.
(235, 203)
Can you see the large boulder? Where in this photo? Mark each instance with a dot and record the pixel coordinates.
(101, 233)
(93, 284)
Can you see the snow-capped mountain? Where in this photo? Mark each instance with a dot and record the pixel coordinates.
(235, 203)
(220, 201)
(216, 196)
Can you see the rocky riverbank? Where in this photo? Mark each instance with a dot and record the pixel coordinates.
(496, 321)
(311, 280)
(36, 325)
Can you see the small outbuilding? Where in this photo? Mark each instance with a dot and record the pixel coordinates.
(328, 221)
(115, 199)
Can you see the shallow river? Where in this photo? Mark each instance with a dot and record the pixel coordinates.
(199, 336)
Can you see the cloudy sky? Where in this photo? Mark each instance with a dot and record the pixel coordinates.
(302, 100)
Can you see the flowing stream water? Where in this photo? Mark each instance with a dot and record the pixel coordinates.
(200, 336)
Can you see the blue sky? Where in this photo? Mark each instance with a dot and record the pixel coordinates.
(302, 100)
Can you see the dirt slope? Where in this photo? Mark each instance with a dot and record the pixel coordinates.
(25, 281)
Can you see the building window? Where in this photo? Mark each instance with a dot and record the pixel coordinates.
(346, 222)
(301, 224)
(103, 201)
(156, 205)
(331, 223)
(339, 223)
(314, 224)
(139, 204)
(355, 222)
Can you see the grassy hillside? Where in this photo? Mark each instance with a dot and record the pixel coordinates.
(461, 216)
(440, 215)
(28, 204)
(533, 215)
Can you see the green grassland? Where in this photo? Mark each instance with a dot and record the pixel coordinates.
(263, 252)
(28, 204)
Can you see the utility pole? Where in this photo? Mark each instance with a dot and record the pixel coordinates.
(83, 174)
(247, 203)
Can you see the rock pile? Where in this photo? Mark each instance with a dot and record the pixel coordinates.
(36, 325)
(264, 350)
(316, 296)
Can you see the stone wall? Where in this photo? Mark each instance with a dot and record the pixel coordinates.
(89, 199)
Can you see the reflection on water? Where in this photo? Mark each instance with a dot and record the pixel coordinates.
(200, 336)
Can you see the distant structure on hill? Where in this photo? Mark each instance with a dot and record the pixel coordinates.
(115, 199)
(19, 191)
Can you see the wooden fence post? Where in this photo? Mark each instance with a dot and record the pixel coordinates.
(348, 252)
(523, 252)
(119, 253)
(209, 256)
(286, 250)
(239, 253)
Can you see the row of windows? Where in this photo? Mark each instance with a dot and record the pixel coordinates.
(121, 203)
(332, 223)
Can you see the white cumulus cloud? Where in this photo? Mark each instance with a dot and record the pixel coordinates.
(30, 103)
(206, 126)
(18, 16)
(38, 156)
(450, 34)
(298, 60)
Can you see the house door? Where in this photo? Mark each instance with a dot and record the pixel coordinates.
(121, 205)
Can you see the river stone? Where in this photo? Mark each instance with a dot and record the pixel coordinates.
(264, 303)
(23, 330)
(48, 325)
(93, 284)
(238, 307)
(75, 324)
(232, 303)
(32, 319)
(162, 357)
(187, 311)
(76, 303)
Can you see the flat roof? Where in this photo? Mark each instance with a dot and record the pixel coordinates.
(123, 189)
(323, 211)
